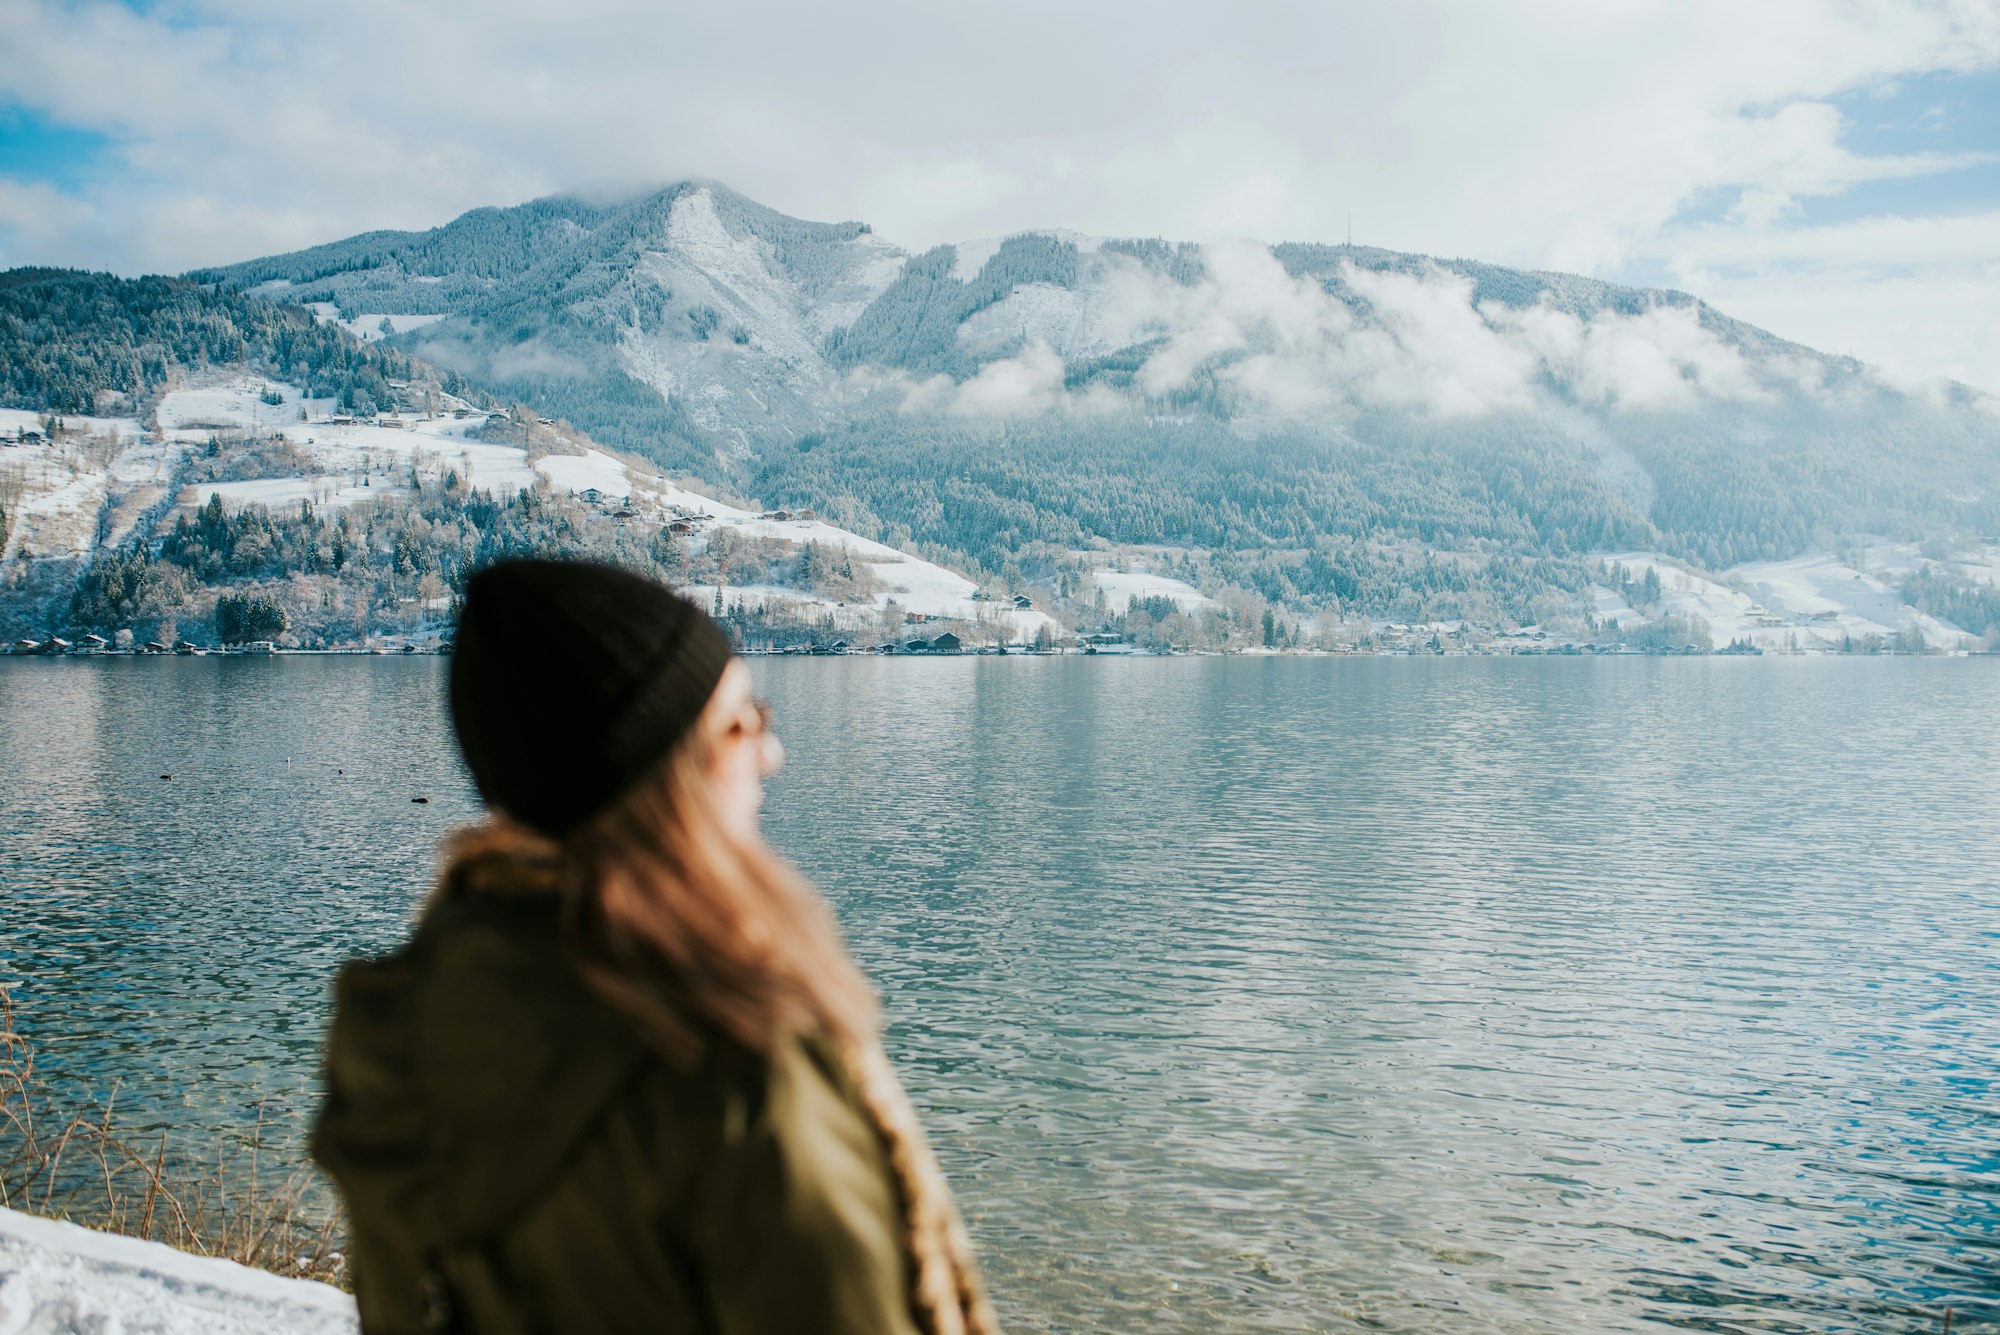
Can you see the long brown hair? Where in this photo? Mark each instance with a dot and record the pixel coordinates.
(687, 930)
(679, 924)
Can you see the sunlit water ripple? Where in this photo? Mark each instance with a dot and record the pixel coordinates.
(1462, 995)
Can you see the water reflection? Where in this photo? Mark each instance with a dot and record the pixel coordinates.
(1241, 995)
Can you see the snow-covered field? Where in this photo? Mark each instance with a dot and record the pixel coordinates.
(1811, 602)
(1121, 587)
(913, 584)
(58, 1279)
(63, 485)
(367, 326)
(13, 421)
(235, 405)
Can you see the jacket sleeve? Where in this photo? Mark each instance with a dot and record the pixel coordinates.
(796, 1219)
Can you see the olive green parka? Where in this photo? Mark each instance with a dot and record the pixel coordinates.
(515, 1159)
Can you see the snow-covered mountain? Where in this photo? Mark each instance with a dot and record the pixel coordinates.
(696, 313)
(693, 299)
(820, 362)
(1320, 431)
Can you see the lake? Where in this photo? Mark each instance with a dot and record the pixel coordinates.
(1272, 994)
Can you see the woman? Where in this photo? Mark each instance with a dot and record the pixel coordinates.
(624, 1076)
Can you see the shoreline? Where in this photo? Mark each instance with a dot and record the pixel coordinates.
(1552, 651)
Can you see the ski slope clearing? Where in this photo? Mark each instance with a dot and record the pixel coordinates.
(58, 1279)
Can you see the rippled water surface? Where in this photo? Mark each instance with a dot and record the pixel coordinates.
(1241, 995)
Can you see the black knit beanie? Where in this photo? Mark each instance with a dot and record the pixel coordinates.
(570, 680)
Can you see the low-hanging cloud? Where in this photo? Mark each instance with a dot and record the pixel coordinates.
(1413, 341)
(1029, 382)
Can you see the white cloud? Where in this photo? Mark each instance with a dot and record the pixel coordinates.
(1658, 358)
(1549, 133)
(1030, 382)
(1914, 296)
(1412, 340)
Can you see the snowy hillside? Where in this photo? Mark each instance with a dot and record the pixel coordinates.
(110, 480)
(1294, 433)
(1812, 603)
(1054, 387)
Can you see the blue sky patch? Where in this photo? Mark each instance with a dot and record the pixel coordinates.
(33, 148)
(1930, 113)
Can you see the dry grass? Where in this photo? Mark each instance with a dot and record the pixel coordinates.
(72, 1164)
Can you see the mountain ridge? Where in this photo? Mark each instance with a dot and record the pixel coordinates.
(1337, 430)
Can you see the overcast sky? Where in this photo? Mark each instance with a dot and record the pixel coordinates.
(1828, 170)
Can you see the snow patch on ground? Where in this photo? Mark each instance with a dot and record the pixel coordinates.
(14, 421)
(58, 1279)
(1807, 604)
(57, 514)
(197, 413)
(913, 584)
(761, 347)
(582, 472)
(367, 326)
(1981, 564)
(1838, 601)
(971, 256)
(1121, 587)
(1064, 319)
(365, 461)
(876, 266)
